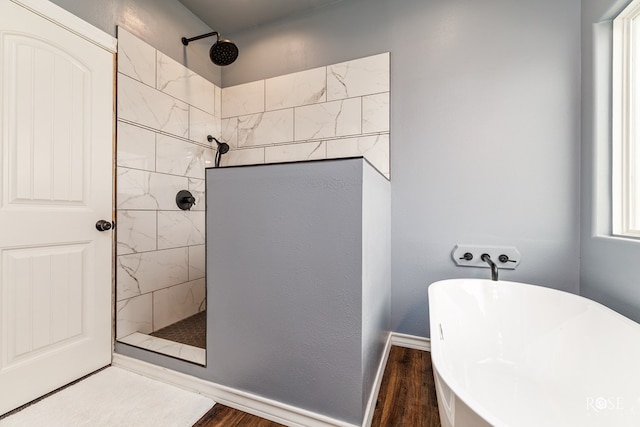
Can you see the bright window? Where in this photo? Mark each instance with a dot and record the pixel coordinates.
(626, 122)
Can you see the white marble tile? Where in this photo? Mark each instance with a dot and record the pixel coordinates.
(229, 133)
(296, 89)
(164, 189)
(127, 285)
(180, 228)
(197, 188)
(243, 99)
(218, 105)
(136, 147)
(136, 231)
(150, 271)
(374, 148)
(330, 119)
(364, 76)
(178, 302)
(134, 189)
(141, 104)
(197, 262)
(245, 156)
(375, 113)
(170, 348)
(268, 128)
(203, 124)
(180, 82)
(148, 190)
(178, 157)
(136, 58)
(295, 152)
(134, 315)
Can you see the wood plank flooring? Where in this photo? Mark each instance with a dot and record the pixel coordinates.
(223, 416)
(407, 394)
(407, 397)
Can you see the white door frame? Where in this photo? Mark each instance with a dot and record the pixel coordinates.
(71, 22)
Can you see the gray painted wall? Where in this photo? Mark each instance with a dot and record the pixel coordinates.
(610, 272)
(485, 112)
(376, 273)
(285, 267)
(161, 23)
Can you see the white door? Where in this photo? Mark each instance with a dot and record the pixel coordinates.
(56, 151)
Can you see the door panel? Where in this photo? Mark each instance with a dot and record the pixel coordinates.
(56, 162)
(46, 108)
(43, 290)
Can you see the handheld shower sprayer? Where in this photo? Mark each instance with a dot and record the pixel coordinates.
(223, 148)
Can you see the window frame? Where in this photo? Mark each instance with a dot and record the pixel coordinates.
(625, 135)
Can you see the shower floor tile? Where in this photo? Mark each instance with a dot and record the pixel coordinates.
(191, 331)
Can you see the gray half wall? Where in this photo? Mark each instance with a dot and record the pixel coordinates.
(285, 262)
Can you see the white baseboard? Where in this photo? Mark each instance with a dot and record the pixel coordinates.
(410, 341)
(253, 404)
(401, 340)
(266, 408)
(373, 398)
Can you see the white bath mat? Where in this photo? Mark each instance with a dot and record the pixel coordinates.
(114, 397)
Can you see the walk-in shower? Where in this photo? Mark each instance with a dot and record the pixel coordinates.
(164, 118)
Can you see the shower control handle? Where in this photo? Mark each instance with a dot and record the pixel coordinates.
(103, 225)
(185, 200)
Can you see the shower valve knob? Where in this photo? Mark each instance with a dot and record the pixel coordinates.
(185, 200)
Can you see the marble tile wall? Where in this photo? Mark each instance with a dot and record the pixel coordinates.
(165, 112)
(340, 110)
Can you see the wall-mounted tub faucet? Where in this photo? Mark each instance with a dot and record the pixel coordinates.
(494, 268)
(486, 256)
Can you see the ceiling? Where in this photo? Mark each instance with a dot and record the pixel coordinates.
(232, 16)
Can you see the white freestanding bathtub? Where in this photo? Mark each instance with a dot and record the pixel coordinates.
(511, 354)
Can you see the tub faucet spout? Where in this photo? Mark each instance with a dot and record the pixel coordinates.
(494, 268)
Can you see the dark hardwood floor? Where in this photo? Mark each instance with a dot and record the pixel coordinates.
(407, 397)
(407, 394)
(223, 416)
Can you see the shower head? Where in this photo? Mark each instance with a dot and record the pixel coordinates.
(223, 147)
(223, 52)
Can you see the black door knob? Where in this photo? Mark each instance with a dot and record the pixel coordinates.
(103, 225)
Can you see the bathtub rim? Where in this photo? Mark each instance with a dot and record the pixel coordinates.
(459, 391)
